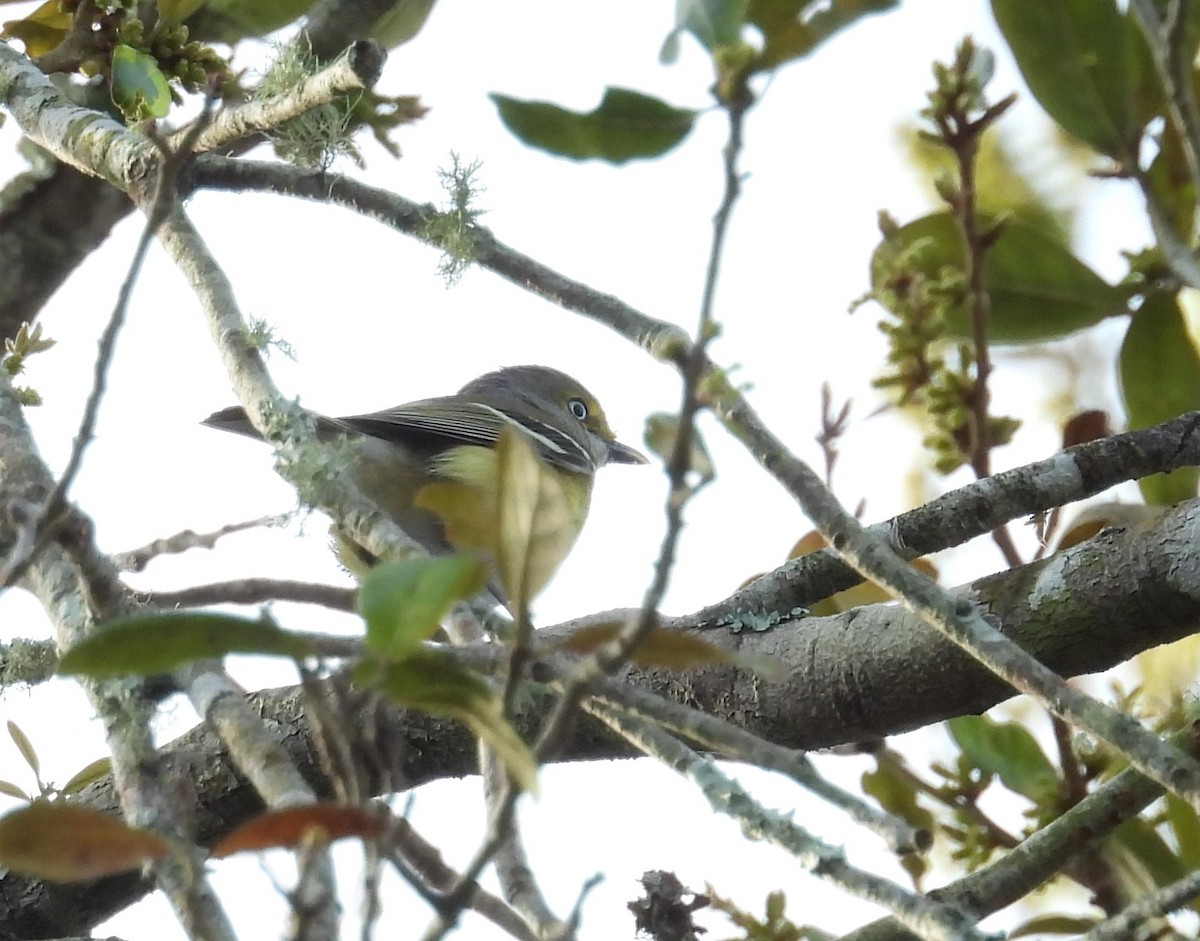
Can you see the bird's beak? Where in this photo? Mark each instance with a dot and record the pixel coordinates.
(623, 454)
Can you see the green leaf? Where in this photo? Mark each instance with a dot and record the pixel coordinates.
(897, 795)
(1142, 859)
(86, 775)
(41, 31)
(431, 681)
(791, 29)
(157, 643)
(11, 790)
(232, 20)
(714, 23)
(627, 124)
(1160, 379)
(25, 747)
(1185, 827)
(1009, 751)
(403, 602)
(1038, 289)
(139, 89)
(176, 11)
(402, 21)
(1082, 60)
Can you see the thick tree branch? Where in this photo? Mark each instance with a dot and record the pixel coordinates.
(863, 675)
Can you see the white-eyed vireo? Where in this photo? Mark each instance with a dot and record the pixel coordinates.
(399, 450)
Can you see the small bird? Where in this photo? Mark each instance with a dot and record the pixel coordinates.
(452, 438)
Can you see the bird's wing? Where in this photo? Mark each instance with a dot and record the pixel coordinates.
(454, 422)
(465, 422)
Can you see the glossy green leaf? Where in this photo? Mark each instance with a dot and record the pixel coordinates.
(791, 29)
(1009, 751)
(431, 681)
(1160, 379)
(714, 23)
(626, 125)
(139, 88)
(403, 602)
(1082, 59)
(157, 643)
(1038, 289)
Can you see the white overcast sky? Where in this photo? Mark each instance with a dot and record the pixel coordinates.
(372, 326)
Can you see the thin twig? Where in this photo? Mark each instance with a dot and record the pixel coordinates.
(727, 740)
(253, 591)
(612, 654)
(929, 919)
(160, 204)
(1152, 905)
(135, 560)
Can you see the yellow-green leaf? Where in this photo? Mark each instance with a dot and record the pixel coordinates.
(1160, 379)
(659, 436)
(89, 773)
(41, 31)
(24, 746)
(11, 790)
(534, 525)
(158, 643)
(403, 602)
(63, 843)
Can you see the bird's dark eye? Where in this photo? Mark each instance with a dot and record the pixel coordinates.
(578, 408)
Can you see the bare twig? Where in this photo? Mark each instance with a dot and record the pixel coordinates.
(929, 919)
(158, 207)
(135, 560)
(254, 591)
